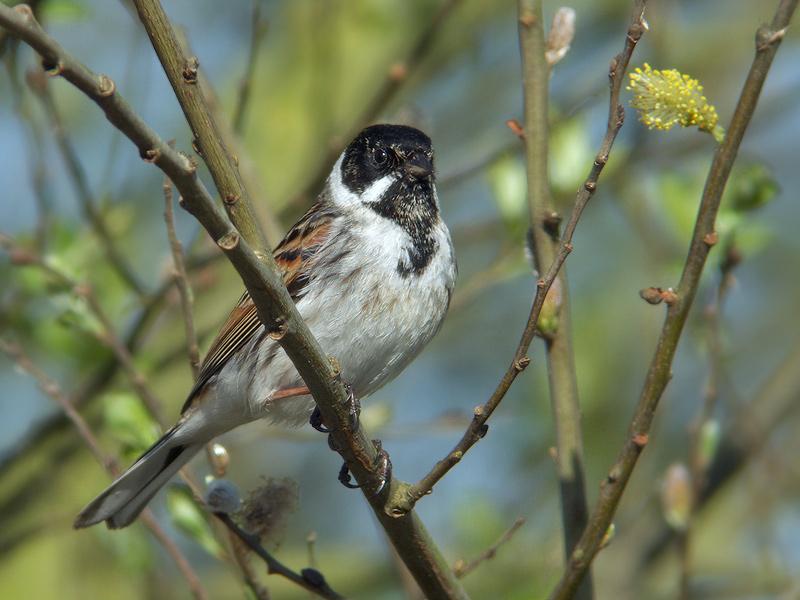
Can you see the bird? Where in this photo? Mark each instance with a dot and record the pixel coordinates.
(371, 269)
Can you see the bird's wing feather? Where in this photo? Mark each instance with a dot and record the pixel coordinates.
(293, 257)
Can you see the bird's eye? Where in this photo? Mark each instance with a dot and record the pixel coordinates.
(380, 156)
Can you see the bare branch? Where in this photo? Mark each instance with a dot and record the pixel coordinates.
(275, 308)
(182, 282)
(407, 496)
(462, 569)
(77, 175)
(659, 371)
(310, 579)
(258, 29)
(52, 389)
(182, 72)
(562, 377)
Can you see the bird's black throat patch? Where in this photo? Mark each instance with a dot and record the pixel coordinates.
(412, 206)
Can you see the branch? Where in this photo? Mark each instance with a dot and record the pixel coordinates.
(275, 307)
(698, 461)
(258, 28)
(409, 495)
(182, 282)
(52, 389)
(310, 579)
(77, 175)
(102, 374)
(768, 39)
(181, 70)
(396, 76)
(563, 384)
(741, 441)
(462, 569)
(107, 336)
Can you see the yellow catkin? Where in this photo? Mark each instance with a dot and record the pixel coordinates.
(665, 98)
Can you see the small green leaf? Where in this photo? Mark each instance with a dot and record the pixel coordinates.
(64, 10)
(570, 153)
(750, 187)
(508, 182)
(710, 436)
(190, 519)
(129, 423)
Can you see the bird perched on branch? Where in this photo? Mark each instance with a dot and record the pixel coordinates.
(371, 269)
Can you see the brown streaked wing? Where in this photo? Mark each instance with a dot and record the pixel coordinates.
(292, 256)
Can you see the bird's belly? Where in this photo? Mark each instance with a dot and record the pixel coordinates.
(375, 327)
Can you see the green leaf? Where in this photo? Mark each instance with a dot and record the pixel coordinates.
(64, 10)
(190, 519)
(750, 187)
(128, 421)
(570, 153)
(508, 183)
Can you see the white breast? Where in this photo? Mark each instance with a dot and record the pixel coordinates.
(362, 311)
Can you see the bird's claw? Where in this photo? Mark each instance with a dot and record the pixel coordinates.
(353, 408)
(383, 468)
(353, 412)
(316, 421)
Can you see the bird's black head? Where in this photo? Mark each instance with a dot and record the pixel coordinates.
(382, 150)
(389, 169)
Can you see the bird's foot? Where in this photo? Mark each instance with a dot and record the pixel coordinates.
(316, 421)
(383, 468)
(353, 407)
(353, 412)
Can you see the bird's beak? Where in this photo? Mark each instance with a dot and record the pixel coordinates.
(418, 166)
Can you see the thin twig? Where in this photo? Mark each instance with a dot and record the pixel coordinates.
(462, 569)
(275, 307)
(105, 371)
(659, 372)
(310, 579)
(107, 336)
(698, 463)
(741, 441)
(182, 282)
(395, 78)
(52, 389)
(407, 496)
(258, 28)
(187, 309)
(182, 72)
(39, 171)
(544, 239)
(77, 175)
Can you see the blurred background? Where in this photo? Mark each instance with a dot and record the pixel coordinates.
(321, 69)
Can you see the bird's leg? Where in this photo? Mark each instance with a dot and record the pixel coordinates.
(353, 411)
(316, 421)
(353, 407)
(383, 467)
(345, 479)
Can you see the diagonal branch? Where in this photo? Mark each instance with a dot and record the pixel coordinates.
(406, 496)
(258, 29)
(396, 77)
(77, 176)
(182, 72)
(275, 307)
(768, 39)
(563, 384)
(52, 389)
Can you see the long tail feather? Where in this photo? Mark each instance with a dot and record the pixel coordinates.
(123, 500)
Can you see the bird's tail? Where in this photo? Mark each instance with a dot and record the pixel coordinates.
(123, 500)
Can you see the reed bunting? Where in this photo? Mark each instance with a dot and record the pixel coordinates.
(371, 269)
